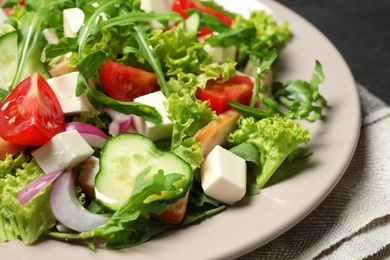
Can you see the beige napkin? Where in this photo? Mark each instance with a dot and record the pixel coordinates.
(353, 222)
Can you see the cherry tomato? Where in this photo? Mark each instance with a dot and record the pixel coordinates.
(125, 83)
(31, 114)
(180, 6)
(238, 88)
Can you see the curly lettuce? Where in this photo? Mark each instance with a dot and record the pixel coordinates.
(26, 222)
(188, 115)
(275, 137)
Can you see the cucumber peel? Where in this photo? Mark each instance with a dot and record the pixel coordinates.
(123, 158)
(9, 61)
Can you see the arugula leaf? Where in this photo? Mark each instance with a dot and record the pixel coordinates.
(97, 99)
(213, 5)
(272, 108)
(150, 55)
(38, 15)
(303, 98)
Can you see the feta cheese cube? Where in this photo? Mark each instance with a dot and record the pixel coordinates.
(158, 6)
(223, 176)
(64, 87)
(64, 150)
(73, 20)
(153, 131)
(50, 35)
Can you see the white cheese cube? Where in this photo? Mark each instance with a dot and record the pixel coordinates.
(73, 20)
(158, 6)
(153, 131)
(50, 35)
(64, 87)
(223, 176)
(64, 150)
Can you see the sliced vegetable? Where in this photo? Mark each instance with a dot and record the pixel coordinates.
(124, 157)
(36, 186)
(94, 136)
(31, 114)
(67, 208)
(124, 83)
(8, 64)
(219, 92)
(122, 123)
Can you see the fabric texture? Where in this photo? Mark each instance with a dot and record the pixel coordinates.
(353, 222)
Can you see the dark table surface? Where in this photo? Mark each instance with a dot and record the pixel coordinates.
(360, 30)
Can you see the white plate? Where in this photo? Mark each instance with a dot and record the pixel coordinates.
(256, 220)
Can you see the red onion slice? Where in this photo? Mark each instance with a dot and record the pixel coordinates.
(67, 208)
(36, 186)
(94, 136)
(122, 123)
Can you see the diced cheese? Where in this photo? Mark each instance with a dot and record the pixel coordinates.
(158, 6)
(65, 87)
(64, 150)
(50, 35)
(223, 176)
(153, 131)
(73, 20)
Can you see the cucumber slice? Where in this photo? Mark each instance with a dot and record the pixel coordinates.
(123, 157)
(9, 59)
(192, 23)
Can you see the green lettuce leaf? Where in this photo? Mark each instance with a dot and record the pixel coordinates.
(16, 221)
(188, 115)
(275, 137)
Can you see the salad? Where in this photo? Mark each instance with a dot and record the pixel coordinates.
(122, 119)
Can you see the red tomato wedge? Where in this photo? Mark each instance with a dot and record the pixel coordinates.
(125, 83)
(31, 114)
(239, 89)
(180, 6)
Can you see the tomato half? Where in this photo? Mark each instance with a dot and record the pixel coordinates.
(238, 88)
(180, 6)
(125, 83)
(31, 114)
